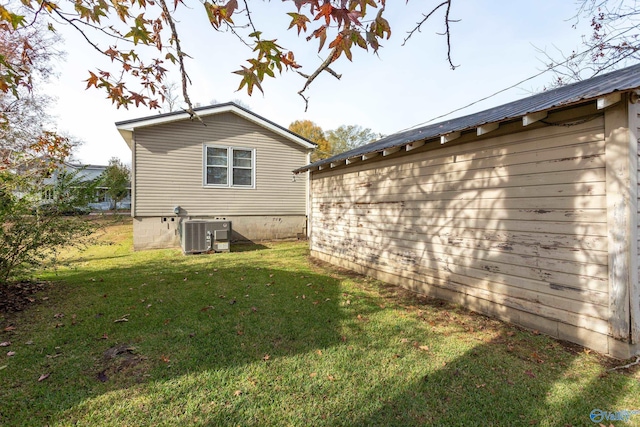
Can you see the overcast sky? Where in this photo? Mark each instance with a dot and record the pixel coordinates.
(495, 45)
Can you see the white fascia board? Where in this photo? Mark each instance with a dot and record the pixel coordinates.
(390, 151)
(413, 145)
(449, 137)
(530, 119)
(486, 128)
(152, 121)
(608, 100)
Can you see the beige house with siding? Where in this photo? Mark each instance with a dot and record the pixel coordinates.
(233, 165)
(527, 212)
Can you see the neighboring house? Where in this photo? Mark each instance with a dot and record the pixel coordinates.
(527, 212)
(87, 173)
(233, 165)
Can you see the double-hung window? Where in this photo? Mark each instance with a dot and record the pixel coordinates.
(229, 166)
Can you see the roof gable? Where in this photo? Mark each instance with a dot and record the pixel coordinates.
(597, 87)
(127, 127)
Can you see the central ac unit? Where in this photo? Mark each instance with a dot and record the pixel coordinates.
(198, 236)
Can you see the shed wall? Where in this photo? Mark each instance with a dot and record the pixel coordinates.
(514, 225)
(168, 168)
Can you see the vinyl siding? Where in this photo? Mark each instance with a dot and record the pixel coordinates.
(169, 170)
(518, 219)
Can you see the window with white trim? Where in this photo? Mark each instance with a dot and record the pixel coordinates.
(229, 166)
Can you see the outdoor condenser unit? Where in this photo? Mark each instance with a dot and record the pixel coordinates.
(197, 236)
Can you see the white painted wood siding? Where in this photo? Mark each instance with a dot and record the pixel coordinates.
(169, 170)
(518, 219)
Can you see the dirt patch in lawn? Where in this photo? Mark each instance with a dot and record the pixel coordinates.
(121, 361)
(18, 296)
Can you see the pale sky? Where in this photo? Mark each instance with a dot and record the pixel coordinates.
(494, 45)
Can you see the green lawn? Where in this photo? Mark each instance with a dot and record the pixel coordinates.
(262, 336)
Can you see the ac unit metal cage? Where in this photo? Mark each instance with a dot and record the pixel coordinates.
(199, 236)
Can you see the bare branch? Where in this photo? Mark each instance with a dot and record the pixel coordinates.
(181, 54)
(425, 19)
(446, 33)
(323, 67)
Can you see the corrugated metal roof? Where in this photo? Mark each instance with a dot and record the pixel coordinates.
(596, 87)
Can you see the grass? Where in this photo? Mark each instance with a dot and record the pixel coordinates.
(262, 336)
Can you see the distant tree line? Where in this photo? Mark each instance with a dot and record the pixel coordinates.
(335, 141)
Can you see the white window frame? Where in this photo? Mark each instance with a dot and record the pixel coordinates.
(230, 167)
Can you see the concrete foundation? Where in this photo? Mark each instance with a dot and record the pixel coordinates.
(162, 232)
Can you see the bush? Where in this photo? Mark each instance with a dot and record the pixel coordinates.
(34, 229)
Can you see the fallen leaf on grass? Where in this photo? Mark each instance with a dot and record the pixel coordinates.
(266, 357)
(480, 385)
(531, 374)
(11, 353)
(165, 359)
(239, 332)
(10, 328)
(313, 374)
(331, 378)
(404, 340)
(237, 392)
(207, 308)
(254, 309)
(319, 352)
(5, 344)
(537, 358)
(58, 315)
(43, 377)
(424, 348)
(122, 319)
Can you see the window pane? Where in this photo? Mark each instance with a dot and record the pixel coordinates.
(216, 156)
(242, 158)
(242, 177)
(217, 175)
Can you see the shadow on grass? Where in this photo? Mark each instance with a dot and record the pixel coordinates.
(505, 382)
(181, 316)
(201, 327)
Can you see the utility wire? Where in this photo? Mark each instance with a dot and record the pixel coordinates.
(549, 68)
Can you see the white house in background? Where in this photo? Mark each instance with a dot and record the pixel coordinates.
(88, 173)
(232, 165)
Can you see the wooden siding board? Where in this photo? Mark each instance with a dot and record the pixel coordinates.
(620, 207)
(519, 220)
(169, 170)
(634, 292)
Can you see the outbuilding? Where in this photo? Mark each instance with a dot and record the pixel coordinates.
(527, 212)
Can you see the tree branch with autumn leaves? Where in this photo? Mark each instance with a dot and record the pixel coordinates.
(338, 26)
